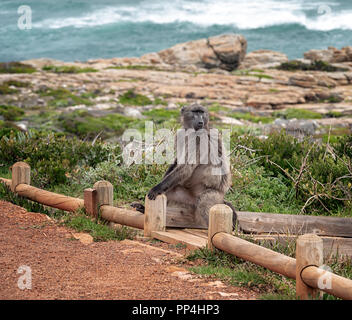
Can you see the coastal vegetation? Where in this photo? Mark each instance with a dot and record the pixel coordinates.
(67, 69)
(317, 65)
(290, 136)
(16, 67)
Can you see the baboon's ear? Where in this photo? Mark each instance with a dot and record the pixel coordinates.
(183, 110)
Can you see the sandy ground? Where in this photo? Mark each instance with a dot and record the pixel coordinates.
(63, 267)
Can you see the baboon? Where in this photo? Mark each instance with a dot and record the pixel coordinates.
(197, 184)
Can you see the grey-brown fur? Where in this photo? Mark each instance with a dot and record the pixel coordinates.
(194, 185)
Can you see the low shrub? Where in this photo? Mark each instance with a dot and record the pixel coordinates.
(11, 113)
(61, 97)
(135, 99)
(68, 69)
(297, 114)
(318, 65)
(16, 67)
(52, 156)
(320, 174)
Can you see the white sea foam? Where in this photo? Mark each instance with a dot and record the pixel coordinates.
(243, 14)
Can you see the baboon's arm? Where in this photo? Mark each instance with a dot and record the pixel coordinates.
(177, 176)
(171, 167)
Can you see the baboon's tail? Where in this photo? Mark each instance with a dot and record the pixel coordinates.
(138, 206)
(234, 216)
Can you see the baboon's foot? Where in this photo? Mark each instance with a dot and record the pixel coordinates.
(138, 206)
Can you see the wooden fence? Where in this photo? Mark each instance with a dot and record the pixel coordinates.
(309, 246)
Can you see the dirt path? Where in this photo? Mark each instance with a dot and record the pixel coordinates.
(64, 268)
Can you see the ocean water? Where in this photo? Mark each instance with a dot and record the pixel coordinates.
(73, 30)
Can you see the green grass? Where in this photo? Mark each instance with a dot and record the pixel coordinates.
(295, 65)
(5, 172)
(16, 67)
(297, 114)
(160, 101)
(7, 128)
(273, 90)
(238, 272)
(250, 117)
(17, 83)
(5, 86)
(68, 69)
(11, 113)
(61, 97)
(334, 134)
(161, 116)
(216, 107)
(82, 124)
(7, 195)
(255, 190)
(5, 89)
(99, 231)
(89, 95)
(272, 286)
(332, 99)
(252, 73)
(134, 99)
(136, 67)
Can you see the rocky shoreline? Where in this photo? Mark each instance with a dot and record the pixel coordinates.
(252, 90)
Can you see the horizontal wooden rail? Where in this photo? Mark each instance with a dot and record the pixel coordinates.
(260, 222)
(20, 184)
(264, 257)
(328, 282)
(7, 182)
(274, 223)
(332, 246)
(305, 268)
(48, 198)
(126, 217)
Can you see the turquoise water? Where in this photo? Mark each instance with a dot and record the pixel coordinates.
(72, 30)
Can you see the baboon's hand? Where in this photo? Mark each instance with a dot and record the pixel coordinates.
(154, 192)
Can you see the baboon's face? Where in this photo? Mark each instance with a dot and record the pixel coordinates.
(195, 117)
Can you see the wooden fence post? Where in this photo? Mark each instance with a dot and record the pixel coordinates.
(21, 174)
(155, 215)
(105, 193)
(309, 252)
(90, 197)
(220, 220)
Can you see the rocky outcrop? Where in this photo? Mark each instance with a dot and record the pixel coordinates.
(303, 80)
(195, 71)
(263, 59)
(332, 55)
(264, 99)
(224, 51)
(295, 127)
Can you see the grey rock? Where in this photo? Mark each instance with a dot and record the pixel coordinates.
(225, 52)
(294, 126)
(133, 113)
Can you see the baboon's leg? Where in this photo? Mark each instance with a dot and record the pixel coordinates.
(180, 196)
(205, 201)
(176, 197)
